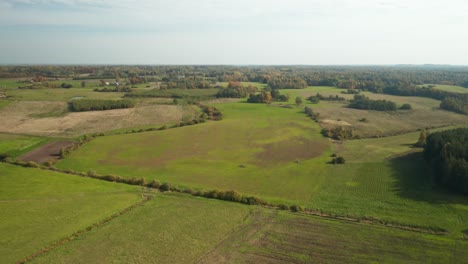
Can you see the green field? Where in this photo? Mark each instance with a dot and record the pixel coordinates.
(41, 207)
(449, 88)
(170, 228)
(281, 237)
(284, 160)
(16, 145)
(425, 113)
(178, 228)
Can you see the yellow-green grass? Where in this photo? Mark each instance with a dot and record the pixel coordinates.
(282, 237)
(284, 160)
(449, 88)
(171, 228)
(9, 83)
(59, 94)
(16, 145)
(425, 113)
(40, 207)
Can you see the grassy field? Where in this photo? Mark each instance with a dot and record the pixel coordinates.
(16, 145)
(449, 88)
(50, 118)
(281, 237)
(284, 160)
(425, 113)
(41, 207)
(171, 228)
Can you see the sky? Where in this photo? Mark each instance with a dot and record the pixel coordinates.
(239, 32)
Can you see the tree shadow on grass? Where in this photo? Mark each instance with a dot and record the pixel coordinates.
(414, 180)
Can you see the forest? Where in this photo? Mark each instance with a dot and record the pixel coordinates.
(447, 152)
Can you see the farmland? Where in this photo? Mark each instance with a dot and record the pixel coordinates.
(53, 206)
(281, 165)
(149, 184)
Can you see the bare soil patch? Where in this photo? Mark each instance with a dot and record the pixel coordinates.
(50, 151)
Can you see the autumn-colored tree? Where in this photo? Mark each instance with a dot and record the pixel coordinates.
(422, 139)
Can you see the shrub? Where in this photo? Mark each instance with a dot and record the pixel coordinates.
(165, 187)
(339, 160)
(154, 184)
(283, 207)
(406, 107)
(92, 173)
(296, 208)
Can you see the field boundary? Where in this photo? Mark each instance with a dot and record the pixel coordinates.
(87, 229)
(234, 196)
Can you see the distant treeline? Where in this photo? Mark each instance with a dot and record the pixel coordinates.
(236, 90)
(115, 89)
(447, 152)
(98, 105)
(363, 102)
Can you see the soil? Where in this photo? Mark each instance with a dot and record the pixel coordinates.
(50, 151)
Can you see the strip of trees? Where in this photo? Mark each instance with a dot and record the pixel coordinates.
(99, 105)
(457, 104)
(447, 152)
(363, 102)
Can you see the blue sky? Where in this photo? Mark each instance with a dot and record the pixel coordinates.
(313, 32)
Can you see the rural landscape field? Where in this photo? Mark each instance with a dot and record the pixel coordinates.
(231, 164)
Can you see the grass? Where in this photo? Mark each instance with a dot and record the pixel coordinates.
(449, 88)
(50, 118)
(425, 113)
(59, 94)
(41, 207)
(285, 161)
(170, 228)
(290, 238)
(17, 145)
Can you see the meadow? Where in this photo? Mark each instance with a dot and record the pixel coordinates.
(41, 207)
(279, 155)
(15, 145)
(283, 237)
(449, 88)
(171, 228)
(425, 113)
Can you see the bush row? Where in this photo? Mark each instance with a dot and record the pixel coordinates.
(99, 105)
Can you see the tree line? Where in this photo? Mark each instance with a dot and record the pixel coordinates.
(99, 105)
(363, 102)
(447, 152)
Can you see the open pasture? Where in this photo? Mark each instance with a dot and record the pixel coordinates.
(41, 207)
(50, 118)
(449, 88)
(279, 155)
(282, 237)
(16, 145)
(171, 228)
(425, 113)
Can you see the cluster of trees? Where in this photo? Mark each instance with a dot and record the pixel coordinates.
(363, 102)
(286, 82)
(338, 133)
(318, 97)
(211, 112)
(99, 105)
(123, 89)
(236, 90)
(310, 113)
(457, 104)
(267, 96)
(447, 152)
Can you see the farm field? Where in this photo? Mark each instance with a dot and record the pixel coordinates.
(449, 88)
(425, 113)
(279, 155)
(283, 237)
(171, 228)
(48, 118)
(41, 207)
(16, 145)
